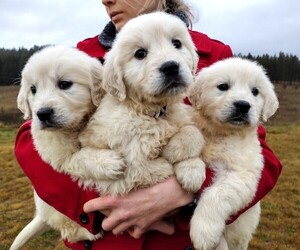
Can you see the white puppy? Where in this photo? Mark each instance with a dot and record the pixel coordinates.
(60, 89)
(149, 67)
(230, 98)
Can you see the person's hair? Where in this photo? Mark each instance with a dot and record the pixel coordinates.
(169, 6)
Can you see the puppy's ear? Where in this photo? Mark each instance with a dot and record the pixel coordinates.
(271, 101)
(195, 92)
(97, 91)
(22, 102)
(113, 82)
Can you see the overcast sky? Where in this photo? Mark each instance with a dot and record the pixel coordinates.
(255, 26)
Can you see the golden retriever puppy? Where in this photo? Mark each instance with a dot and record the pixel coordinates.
(142, 118)
(60, 89)
(231, 97)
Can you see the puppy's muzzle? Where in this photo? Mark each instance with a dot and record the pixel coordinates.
(46, 117)
(45, 114)
(173, 81)
(170, 68)
(242, 107)
(240, 113)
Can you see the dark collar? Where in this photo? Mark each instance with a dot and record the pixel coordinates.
(108, 34)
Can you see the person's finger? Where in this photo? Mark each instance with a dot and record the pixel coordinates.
(121, 228)
(136, 232)
(100, 204)
(116, 222)
(106, 212)
(163, 226)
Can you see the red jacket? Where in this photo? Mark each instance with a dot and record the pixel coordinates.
(63, 194)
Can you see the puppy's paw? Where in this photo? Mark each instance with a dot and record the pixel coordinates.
(187, 143)
(206, 234)
(172, 151)
(98, 235)
(90, 164)
(79, 234)
(115, 166)
(190, 173)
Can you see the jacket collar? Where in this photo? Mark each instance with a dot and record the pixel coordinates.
(108, 35)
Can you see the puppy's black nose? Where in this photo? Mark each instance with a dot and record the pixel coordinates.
(170, 68)
(45, 114)
(242, 106)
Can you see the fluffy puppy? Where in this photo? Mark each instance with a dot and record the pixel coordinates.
(60, 89)
(142, 118)
(230, 97)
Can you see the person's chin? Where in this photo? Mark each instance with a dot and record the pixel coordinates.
(119, 24)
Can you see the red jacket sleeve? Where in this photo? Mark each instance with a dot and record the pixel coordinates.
(54, 188)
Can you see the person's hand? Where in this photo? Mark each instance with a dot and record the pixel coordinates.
(141, 210)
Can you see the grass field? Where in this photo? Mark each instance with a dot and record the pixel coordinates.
(9, 114)
(279, 226)
(17, 206)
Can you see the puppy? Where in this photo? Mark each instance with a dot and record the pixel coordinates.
(142, 117)
(60, 89)
(231, 98)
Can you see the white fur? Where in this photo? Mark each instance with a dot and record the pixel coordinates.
(57, 139)
(127, 119)
(232, 150)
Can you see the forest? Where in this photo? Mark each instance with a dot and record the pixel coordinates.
(282, 68)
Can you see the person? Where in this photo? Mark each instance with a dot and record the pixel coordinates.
(137, 220)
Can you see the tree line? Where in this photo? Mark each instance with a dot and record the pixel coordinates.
(12, 62)
(282, 68)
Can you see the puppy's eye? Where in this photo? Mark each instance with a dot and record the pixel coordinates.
(33, 89)
(255, 91)
(223, 87)
(63, 84)
(140, 54)
(177, 44)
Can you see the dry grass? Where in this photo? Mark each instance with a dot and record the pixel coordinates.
(289, 105)
(8, 97)
(279, 227)
(17, 206)
(9, 114)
